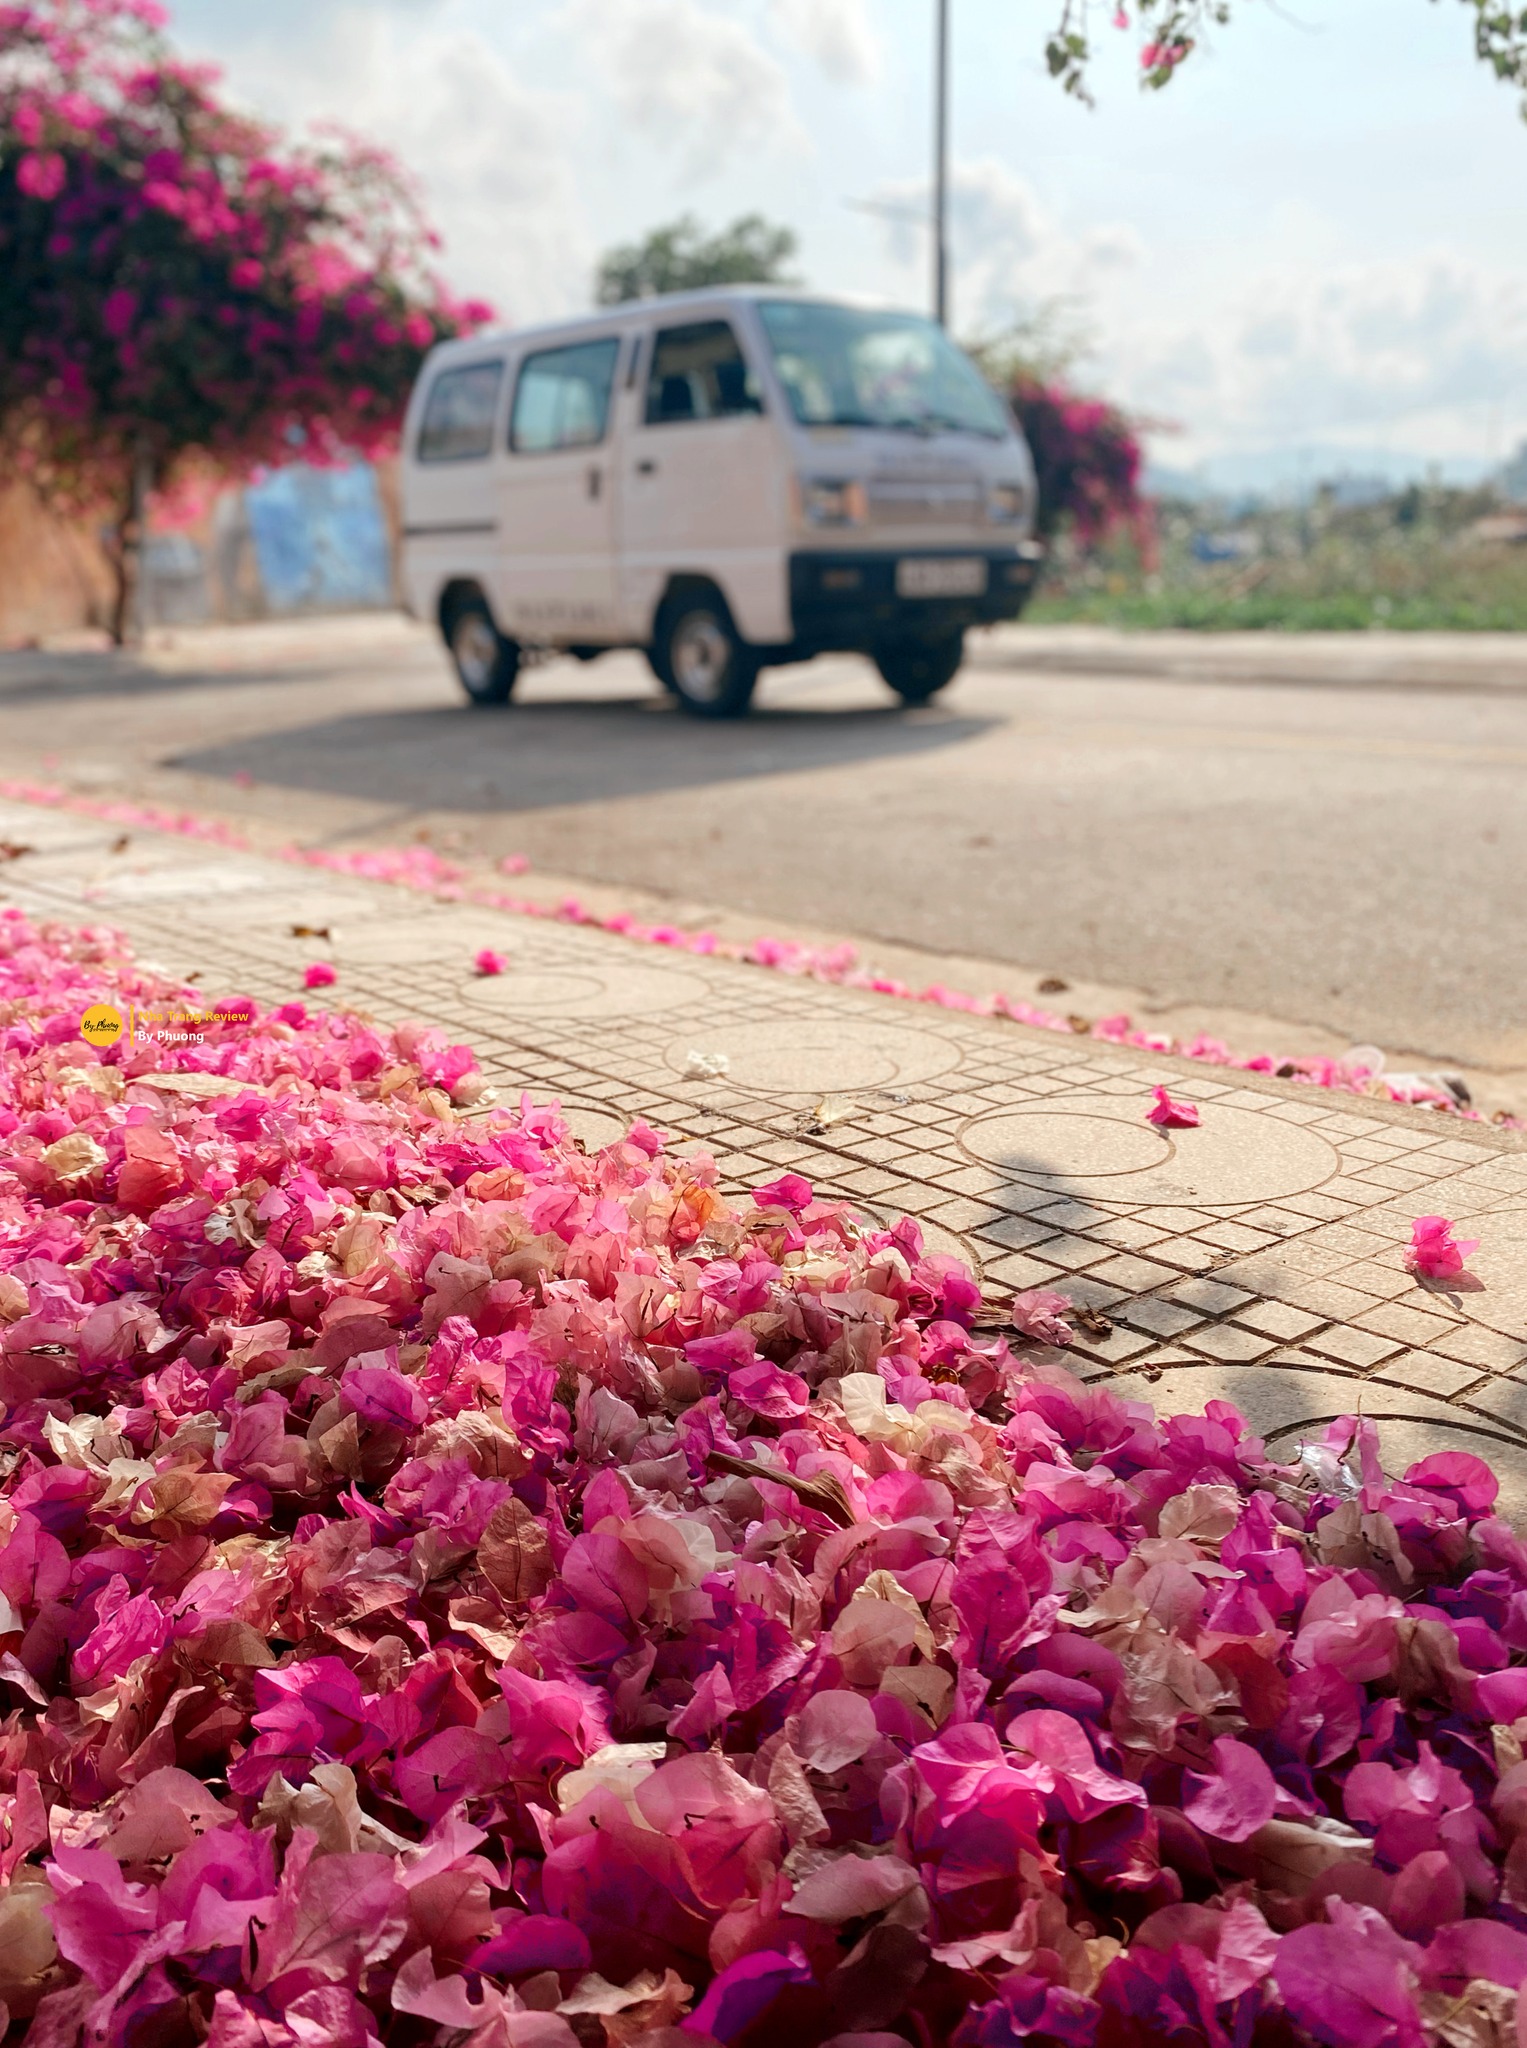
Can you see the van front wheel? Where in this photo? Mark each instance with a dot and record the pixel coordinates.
(918, 669)
(486, 663)
(699, 655)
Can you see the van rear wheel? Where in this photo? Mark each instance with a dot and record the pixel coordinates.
(918, 669)
(700, 656)
(486, 663)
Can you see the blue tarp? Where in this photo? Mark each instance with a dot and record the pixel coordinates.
(320, 538)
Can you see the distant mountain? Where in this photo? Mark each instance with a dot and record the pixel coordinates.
(1291, 476)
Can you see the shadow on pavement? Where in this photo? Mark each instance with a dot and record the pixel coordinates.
(534, 756)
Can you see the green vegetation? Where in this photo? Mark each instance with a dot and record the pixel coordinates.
(1422, 560)
(681, 257)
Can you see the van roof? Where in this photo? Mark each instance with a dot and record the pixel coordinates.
(670, 302)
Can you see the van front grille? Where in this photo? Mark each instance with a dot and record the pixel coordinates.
(925, 501)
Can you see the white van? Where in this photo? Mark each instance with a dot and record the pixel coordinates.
(728, 479)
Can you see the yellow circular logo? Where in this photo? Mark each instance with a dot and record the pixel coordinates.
(101, 1024)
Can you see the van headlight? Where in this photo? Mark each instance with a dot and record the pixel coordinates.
(1006, 503)
(826, 502)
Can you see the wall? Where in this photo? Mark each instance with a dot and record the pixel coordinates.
(54, 575)
(295, 540)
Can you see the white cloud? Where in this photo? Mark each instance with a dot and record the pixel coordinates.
(687, 77)
(1010, 253)
(1428, 353)
(495, 157)
(836, 34)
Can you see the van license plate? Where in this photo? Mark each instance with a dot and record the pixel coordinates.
(941, 576)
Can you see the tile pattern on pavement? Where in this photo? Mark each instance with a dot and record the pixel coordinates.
(1256, 1258)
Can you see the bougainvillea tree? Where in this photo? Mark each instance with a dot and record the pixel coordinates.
(1170, 31)
(1087, 459)
(177, 287)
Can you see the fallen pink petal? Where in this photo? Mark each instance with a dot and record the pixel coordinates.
(489, 962)
(419, 868)
(438, 1561)
(318, 974)
(1433, 1252)
(1171, 1114)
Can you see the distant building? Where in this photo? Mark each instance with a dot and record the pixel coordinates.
(1353, 490)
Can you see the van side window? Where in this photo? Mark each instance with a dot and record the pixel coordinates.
(459, 413)
(699, 373)
(562, 399)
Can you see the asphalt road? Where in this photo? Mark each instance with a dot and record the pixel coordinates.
(1326, 831)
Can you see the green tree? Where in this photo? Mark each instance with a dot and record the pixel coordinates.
(1170, 30)
(681, 257)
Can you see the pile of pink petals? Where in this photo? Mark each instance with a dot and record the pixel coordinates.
(458, 1589)
(419, 867)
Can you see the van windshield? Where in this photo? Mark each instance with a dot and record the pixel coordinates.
(843, 366)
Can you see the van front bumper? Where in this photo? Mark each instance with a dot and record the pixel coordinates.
(849, 599)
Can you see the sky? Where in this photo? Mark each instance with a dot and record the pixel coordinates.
(1314, 240)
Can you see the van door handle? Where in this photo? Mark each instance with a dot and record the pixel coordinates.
(596, 478)
(647, 468)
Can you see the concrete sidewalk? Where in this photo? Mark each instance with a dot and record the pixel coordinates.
(1256, 1258)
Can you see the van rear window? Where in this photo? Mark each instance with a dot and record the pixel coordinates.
(459, 414)
(562, 398)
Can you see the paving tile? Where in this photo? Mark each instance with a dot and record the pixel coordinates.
(1075, 1253)
(1017, 1232)
(1279, 1319)
(1407, 1325)
(1127, 1232)
(1318, 1207)
(1427, 1372)
(1020, 1272)
(1276, 1222)
(1229, 1342)
(1323, 1298)
(1486, 1349)
(1187, 1254)
(1385, 1282)
(1307, 1304)
(1160, 1318)
(1071, 1215)
(1234, 1237)
(1209, 1296)
(1506, 1399)
(965, 1215)
(1117, 1346)
(1134, 1275)
(1361, 1348)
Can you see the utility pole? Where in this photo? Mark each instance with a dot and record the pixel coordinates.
(941, 165)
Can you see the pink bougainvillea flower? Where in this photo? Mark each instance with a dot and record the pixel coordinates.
(791, 1191)
(489, 962)
(318, 974)
(1239, 1798)
(1041, 1314)
(1171, 1114)
(513, 864)
(41, 174)
(1433, 1252)
(435, 1555)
